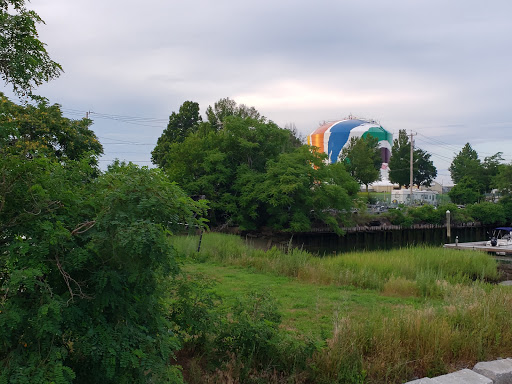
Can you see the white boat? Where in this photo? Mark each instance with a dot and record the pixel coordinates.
(501, 237)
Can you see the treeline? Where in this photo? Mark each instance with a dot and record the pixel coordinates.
(252, 172)
(474, 178)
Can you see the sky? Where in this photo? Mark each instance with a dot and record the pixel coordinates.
(442, 69)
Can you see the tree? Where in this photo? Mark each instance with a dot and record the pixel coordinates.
(487, 213)
(503, 179)
(424, 170)
(227, 107)
(400, 161)
(84, 267)
(237, 164)
(208, 161)
(297, 189)
(466, 164)
(466, 191)
(24, 61)
(180, 125)
(84, 257)
(210, 164)
(43, 130)
(362, 159)
(491, 166)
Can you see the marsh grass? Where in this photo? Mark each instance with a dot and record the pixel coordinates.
(475, 324)
(441, 314)
(387, 271)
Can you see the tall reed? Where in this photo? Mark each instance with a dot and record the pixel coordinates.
(474, 325)
(420, 268)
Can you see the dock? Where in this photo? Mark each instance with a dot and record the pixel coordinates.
(480, 246)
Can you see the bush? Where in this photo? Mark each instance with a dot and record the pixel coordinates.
(396, 216)
(83, 278)
(506, 203)
(427, 214)
(245, 342)
(488, 213)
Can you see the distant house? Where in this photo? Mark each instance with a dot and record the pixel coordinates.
(439, 188)
(403, 196)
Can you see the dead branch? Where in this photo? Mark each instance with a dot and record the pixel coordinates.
(84, 227)
(68, 279)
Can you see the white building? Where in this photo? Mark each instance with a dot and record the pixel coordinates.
(403, 196)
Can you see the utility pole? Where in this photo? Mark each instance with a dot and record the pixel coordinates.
(410, 172)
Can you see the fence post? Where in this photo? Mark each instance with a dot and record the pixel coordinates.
(448, 226)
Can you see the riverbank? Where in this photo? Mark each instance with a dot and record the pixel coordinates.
(375, 317)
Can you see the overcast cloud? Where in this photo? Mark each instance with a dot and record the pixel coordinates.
(440, 68)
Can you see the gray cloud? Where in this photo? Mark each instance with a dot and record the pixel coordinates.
(440, 68)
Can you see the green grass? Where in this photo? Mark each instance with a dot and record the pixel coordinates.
(382, 317)
(307, 309)
(424, 267)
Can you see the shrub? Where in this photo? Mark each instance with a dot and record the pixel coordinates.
(425, 214)
(488, 213)
(83, 278)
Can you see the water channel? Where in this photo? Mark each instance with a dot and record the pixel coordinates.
(371, 238)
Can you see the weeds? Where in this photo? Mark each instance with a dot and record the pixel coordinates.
(459, 320)
(427, 266)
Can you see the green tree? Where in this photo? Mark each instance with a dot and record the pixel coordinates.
(208, 162)
(245, 158)
(297, 189)
(43, 131)
(400, 161)
(362, 159)
(227, 107)
(180, 125)
(503, 179)
(83, 271)
(466, 164)
(84, 260)
(466, 191)
(24, 61)
(491, 165)
(487, 213)
(424, 170)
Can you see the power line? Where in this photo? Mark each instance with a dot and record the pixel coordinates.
(134, 120)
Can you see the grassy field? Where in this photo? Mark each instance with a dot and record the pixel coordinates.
(376, 317)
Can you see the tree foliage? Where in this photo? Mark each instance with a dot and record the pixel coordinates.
(226, 107)
(466, 191)
(424, 170)
(24, 61)
(487, 213)
(42, 131)
(84, 262)
(466, 168)
(227, 161)
(180, 125)
(362, 159)
(503, 179)
(465, 164)
(400, 161)
(297, 188)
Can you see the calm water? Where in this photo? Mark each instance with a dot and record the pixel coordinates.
(328, 243)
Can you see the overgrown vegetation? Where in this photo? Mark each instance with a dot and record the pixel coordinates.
(368, 270)
(455, 317)
(85, 258)
(253, 172)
